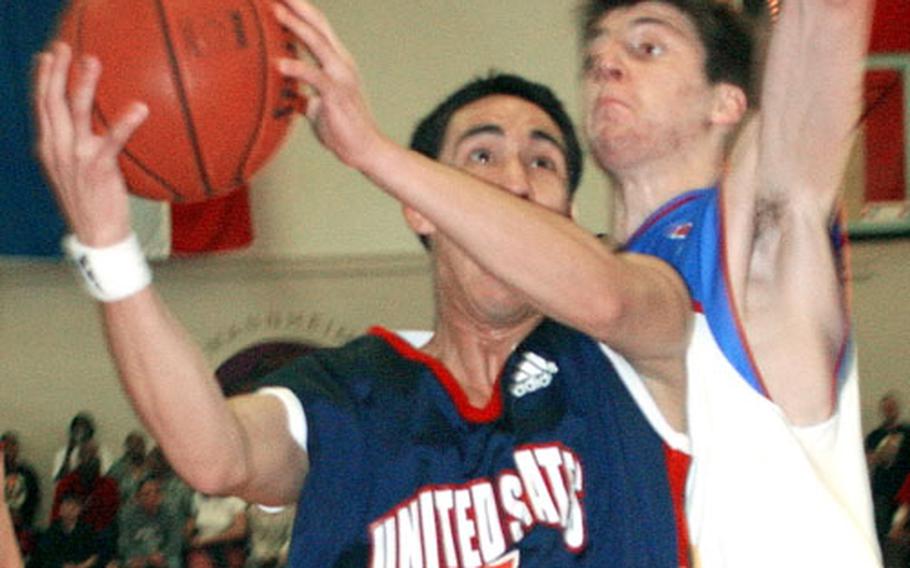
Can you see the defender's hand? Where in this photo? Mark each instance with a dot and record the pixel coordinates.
(336, 107)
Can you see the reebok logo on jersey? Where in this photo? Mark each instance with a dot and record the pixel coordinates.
(680, 231)
(532, 373)
(476, 524)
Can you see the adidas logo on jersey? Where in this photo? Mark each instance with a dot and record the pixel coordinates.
(532, 374)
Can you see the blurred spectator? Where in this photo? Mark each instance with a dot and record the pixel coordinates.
(22, 492)
(82, 429)
(131, 467)
(101, 499)
(217, 532)
(888, 454)
(177, 495)
(269, 535)
(10, 556)
(896, 553)
(69, 542)
(150, 535)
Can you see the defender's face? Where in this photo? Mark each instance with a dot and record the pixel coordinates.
(645, 87)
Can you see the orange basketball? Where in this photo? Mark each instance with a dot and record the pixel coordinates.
(219, 109)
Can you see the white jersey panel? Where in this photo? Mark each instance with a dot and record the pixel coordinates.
(742, 445)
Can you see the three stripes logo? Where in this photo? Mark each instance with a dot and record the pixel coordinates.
(532, 374)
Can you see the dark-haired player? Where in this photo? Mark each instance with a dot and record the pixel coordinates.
(506, 440)
(779, 477)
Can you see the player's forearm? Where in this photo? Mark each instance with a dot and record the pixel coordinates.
(812, 93)
(172, 388)
(566, 271)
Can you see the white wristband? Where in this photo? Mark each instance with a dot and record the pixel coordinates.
(110, 273)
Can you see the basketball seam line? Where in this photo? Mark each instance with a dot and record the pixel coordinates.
(184, 101)
(96, 109)
(254, 140)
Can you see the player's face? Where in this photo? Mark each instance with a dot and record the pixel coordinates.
(512, 144)
(645, 88)
(517, 147)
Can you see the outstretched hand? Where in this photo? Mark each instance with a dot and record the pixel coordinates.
(336, 108)
(80, 164)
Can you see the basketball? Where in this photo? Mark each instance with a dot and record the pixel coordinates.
(205, 68)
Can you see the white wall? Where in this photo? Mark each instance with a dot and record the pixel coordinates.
(411, 54)
(881, 286)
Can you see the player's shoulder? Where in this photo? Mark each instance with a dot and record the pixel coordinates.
(371, 361)
(360, 350)
(552, 336)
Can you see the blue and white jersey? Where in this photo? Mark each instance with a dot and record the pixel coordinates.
(761, 492)
(686, 233)
(559, 469)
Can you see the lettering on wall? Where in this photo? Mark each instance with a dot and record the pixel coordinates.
(314, 328)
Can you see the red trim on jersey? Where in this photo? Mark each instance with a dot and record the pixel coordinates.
(740, 328)
(657, 215)
(846, 277)
(469, 412)
(677, 470)
(728, 281)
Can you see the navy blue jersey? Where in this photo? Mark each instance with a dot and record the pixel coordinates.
(560, 469)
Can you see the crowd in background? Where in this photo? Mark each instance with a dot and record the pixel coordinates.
(132, 511)
(888, 455)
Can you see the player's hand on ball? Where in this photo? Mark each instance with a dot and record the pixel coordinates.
(336, 108)
(80, 164)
